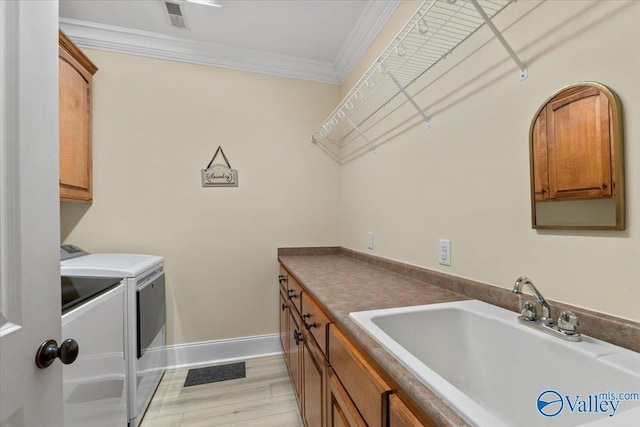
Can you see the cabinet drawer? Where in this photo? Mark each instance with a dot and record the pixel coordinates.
(283, 278)
(294, 291)
(283, 290)
(283, 294)
(315, 321)
(292, 288)
(367, 389)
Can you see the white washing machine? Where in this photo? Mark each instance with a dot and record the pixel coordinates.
(145, 318)
(94, 387)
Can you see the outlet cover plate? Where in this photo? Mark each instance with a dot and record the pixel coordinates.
(444, 252)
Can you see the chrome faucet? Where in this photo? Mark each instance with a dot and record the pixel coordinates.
(567, 321)
(546, 310)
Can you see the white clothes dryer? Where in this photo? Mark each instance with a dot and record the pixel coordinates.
(145, 317)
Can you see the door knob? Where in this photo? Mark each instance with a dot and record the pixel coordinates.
(49, 350)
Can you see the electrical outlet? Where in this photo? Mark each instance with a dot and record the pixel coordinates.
(370, 240)
(444, 252)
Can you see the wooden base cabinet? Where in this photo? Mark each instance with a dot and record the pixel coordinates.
(305, 359)
(334, 384)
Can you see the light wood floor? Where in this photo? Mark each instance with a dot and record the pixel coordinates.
(264, 398)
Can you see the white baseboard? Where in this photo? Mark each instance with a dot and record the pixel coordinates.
(211, 352)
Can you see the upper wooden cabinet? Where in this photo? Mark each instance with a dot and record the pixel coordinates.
(572, 146)
(576, 155)
(76, 71)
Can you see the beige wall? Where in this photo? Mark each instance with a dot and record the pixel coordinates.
(156, 125)
(467, 178)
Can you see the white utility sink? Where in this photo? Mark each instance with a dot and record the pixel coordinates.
(496, 372)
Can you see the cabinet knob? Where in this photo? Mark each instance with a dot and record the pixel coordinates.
(284, 306)
(307, 325)
(292, 293)
(297, 336)
(604, 186)
(282, 279)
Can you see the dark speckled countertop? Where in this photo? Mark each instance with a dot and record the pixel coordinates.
(341, 285)
(342, 281)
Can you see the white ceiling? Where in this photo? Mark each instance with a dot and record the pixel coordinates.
(310, 39)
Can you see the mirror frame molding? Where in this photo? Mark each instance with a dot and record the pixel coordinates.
(615, 108)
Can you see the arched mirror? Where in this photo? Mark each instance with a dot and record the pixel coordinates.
(577, 168)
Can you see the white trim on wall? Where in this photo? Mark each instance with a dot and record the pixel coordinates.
(144, 43)
(371, 21)
(218, 351)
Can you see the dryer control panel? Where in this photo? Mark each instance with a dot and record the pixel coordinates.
(71, 251)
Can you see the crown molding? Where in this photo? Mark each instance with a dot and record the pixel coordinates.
(136, 42)
(144, 43)
(371, 21)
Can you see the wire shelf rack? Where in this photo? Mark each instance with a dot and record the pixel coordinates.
(430, 35)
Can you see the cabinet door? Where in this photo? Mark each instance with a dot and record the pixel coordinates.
(295, 354)
(366, 388)
(284, 327)
(313, 383)
(579, 146)
(400, 415)
(75, 72)
(341, 410)
(539, 157)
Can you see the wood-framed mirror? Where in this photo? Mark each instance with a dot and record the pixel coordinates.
(576, 160)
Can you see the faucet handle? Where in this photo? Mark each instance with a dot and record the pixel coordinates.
(567, 322)
(528, 310)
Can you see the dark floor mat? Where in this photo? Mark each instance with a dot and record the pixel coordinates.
(213, 374)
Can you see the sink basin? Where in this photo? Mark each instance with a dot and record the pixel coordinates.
(496, 372)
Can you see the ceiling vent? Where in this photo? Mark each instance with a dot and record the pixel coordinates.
(175, 14)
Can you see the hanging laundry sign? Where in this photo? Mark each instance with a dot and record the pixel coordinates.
(219, 175)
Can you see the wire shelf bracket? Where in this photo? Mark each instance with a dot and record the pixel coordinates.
(523, 68)
(373, 147)
(406, 94)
